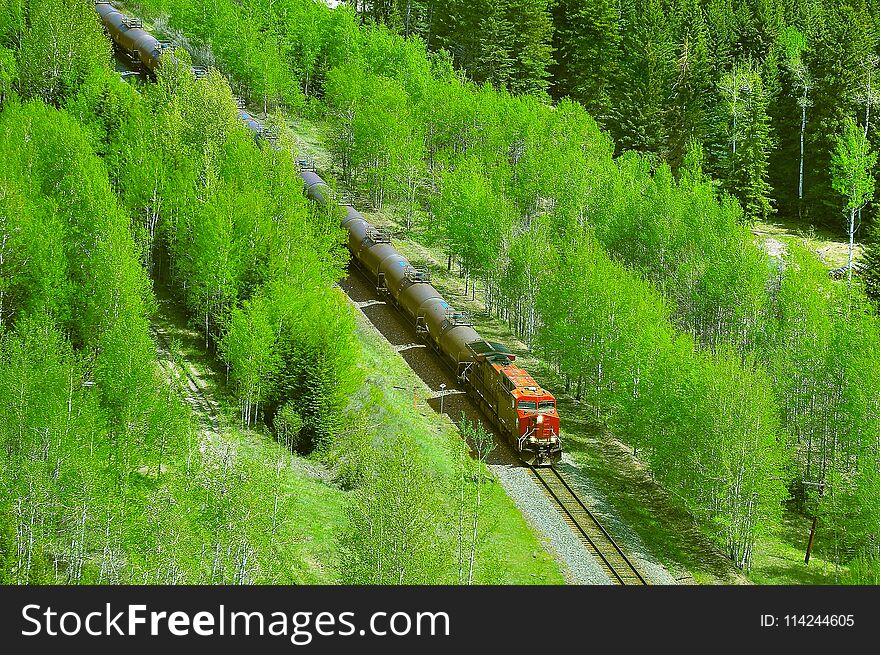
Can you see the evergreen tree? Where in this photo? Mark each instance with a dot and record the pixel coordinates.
(496, 60)
(587, 41)
(531, 47)
(757, 24)
(871, 260)
(686, 118)
(748, 139)
(839, 42)
(648, 69)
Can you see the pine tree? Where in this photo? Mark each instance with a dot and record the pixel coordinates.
(507, 43)
(839, 42)
(587, 41)
(871, 260)
(496, 59)
(648, 69)
(531, 47)
(757, 24)
(748, 140)
(686, 116)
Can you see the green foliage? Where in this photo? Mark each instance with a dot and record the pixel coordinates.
(376, 140)
(251, 261)
(248, 348)
(79, 415)
(747, 130)
(394, 533)
(288, 424)
(588, 41)
(62, 42)
(688, 114)
(871, 259)
(104, 477)
(633, 63)
(864, 570)
(852, 166)
(648, 68)
(841, 41)
(12, 22)
(8, 73)
(507, 44)
(468, 206)
(642, 286)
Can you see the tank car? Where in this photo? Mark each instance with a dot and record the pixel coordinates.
(129, 35)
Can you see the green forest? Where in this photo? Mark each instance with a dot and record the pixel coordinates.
(596, 172)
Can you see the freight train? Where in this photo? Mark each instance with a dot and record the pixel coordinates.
(523, 412)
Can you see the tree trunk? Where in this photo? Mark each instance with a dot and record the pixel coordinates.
(852, 229)
(801, 166)
(867, 118)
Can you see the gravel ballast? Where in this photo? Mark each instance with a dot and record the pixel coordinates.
(558, 537)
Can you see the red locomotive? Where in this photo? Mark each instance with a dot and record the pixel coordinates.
(517, 404)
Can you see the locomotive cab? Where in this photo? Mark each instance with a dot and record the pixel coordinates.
(538, 426)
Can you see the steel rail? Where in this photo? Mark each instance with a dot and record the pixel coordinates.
(623, 572)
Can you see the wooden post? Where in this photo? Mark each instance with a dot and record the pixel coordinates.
(810, 542)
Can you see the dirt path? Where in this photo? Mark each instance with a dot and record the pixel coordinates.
(187, 368)
(831, 249)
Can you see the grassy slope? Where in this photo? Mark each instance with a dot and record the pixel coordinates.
(827, 246)
(624, 482)
(306, 538)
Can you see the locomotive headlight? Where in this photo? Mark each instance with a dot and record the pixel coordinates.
(540, 419)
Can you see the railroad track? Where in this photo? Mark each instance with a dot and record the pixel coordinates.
(586, 526)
